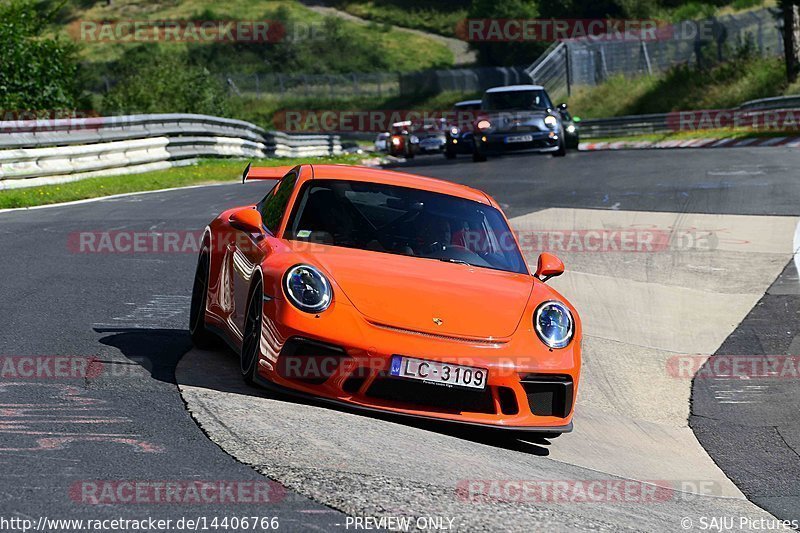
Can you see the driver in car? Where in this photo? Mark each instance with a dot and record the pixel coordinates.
(434, 235)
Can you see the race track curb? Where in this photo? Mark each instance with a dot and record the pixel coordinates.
(709, 142)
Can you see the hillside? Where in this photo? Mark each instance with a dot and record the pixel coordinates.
(313, 43)
(684, 88)
(442, 16)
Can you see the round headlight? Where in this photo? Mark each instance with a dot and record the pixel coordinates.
(571, 128)
(453, 131)
(551, 121)
(484, 125)
(307, 288)
(554, 325)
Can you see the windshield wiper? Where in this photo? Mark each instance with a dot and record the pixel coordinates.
(457, 261)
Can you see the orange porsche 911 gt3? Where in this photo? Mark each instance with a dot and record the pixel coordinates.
(392, 292)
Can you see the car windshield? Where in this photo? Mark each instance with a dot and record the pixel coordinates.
(404, 221)
(429, 126)
(509, 100)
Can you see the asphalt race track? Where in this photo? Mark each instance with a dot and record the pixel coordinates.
(720, 280)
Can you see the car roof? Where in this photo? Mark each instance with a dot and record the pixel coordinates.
(509, 88)
(467, 102)
(400, 179)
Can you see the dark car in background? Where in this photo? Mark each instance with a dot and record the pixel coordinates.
(570, 123)
(515, 118)
(431, 135)
(458, 136)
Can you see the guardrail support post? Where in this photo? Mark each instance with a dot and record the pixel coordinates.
(647, 58)
(568, 69)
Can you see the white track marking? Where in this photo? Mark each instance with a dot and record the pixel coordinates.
(156, 312)
(796, 247)
(634, 307)
(111, 197)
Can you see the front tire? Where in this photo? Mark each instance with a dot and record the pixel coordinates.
(251, 342)
(201, 337)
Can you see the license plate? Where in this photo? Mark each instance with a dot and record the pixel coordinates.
(519, 138)
(440, 373)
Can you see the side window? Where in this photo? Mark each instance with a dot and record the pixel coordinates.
(273, 206)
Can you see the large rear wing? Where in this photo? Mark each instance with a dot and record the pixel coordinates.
(252, 173)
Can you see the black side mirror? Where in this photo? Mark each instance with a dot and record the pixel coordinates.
(562, 106)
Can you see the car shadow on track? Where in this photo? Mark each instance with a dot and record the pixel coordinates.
(156, 350)
(436, 160)
(160, 350)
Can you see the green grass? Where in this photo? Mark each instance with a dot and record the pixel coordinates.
(442, 16)
(206, 171)
(391, 46)
(427, 15)
(684, 88)
(725, 133)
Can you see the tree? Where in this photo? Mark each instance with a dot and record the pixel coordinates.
(790, 11)
(506, 53)
(151, 79)
(36, 72)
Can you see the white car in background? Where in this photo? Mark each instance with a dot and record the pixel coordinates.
(381, 140)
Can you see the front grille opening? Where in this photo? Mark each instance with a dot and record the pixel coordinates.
(309, 361)
(431, 396)
(548, 395)
(353, 383)
(508, 401)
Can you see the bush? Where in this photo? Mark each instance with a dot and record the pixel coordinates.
(506, 53)
(723, 85)
(36, 73)
(335, 46)
(149, 79)
(437, 16)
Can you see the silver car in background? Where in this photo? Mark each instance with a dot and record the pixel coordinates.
(515, 118)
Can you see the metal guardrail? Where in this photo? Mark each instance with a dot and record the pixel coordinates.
(380, 84)
(589, 61)
(624, 126)
(550, 72)
(776, 102)
(658, 122)
(40, 152)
